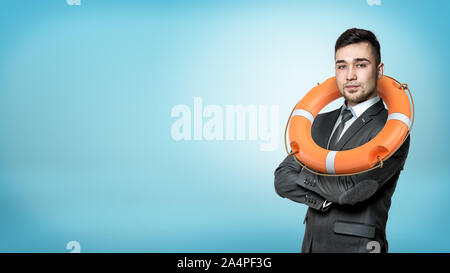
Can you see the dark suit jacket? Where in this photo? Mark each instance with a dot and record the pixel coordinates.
(361, 202)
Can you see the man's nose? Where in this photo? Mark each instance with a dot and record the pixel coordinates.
(351, 75)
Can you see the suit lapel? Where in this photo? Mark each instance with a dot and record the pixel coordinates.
(362, 120)
(328, 127)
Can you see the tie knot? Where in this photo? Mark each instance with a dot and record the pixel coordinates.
(346, 115)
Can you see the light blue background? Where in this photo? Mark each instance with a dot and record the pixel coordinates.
(86, 94)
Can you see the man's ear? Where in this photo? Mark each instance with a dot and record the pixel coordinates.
(380, 70)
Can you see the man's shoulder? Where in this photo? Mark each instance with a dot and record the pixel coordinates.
(325, 120)
(327, 116)
(378, 114)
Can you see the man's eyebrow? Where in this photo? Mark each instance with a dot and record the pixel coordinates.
(362, 60)
(356, 60)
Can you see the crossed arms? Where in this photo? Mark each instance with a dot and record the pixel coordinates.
(300, 185)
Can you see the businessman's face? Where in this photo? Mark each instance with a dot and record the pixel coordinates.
(357, 73)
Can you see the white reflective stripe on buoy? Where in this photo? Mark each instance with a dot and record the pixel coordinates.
(303, 113)
(329, 163)
(401, 117)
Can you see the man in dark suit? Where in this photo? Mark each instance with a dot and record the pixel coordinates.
(347, 213)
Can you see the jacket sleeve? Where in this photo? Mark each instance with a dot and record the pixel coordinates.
(287, 186)
(356, 188)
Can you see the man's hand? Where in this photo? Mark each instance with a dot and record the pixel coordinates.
(360, 192)
(340, 191)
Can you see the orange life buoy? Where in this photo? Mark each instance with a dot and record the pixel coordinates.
(358, 159)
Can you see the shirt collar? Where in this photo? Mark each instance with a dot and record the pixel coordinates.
(360, 108)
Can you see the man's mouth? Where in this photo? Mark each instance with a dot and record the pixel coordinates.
(351, 87)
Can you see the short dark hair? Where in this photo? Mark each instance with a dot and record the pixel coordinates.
(357, 35)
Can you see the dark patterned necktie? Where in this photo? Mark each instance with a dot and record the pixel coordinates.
(346, 116)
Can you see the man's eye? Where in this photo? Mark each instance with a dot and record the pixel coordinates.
(341, 66)
(361, 65)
